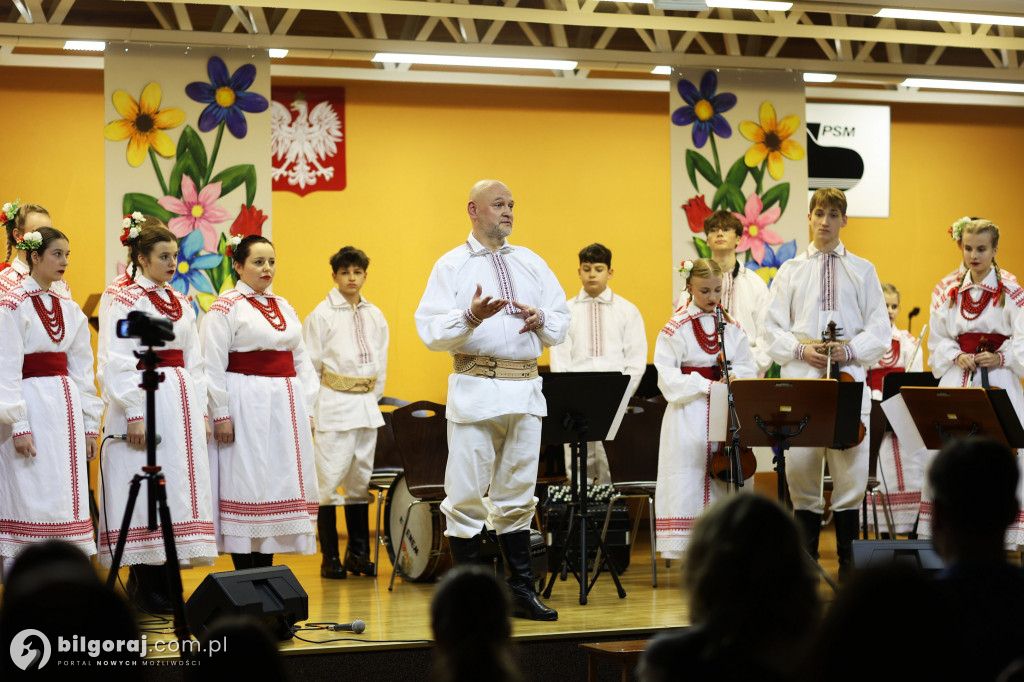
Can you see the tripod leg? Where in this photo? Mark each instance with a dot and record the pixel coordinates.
(122, 535)
(171, 565)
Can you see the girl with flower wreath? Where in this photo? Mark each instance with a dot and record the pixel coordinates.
(686, 355)
(972, 336)
(957, 276)
(181, 423)
(49, 410)
(902, 471)
(19, 219)
(262, 391)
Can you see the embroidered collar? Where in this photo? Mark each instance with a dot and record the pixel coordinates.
(478, 249)
(19, 266)
(149, 285)
(336, 300)
(249, 292)
(693, 311)
(813, 250)
(605, 296)
(987, 284)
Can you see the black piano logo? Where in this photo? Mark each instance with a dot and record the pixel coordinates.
(838, 167)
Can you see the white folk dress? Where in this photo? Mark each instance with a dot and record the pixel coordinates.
(46, 496)
(900, 473)
(181, 454)
(948, 322)
(351, 341)
(267, 477)
(685, 486)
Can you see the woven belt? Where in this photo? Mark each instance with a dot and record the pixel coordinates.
(495, 368)
(347, 384)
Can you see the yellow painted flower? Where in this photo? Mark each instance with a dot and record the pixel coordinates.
(771, 140)
(144, 122)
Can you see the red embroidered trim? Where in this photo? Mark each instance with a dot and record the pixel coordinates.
(272, 508)
(135, 419)
(295, 435)
(190, 460)
(66, 385)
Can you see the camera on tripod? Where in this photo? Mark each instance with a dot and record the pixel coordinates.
(150, 330)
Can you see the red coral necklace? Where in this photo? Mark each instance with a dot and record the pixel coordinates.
(170, 309)
(53, 321)
(970, 309)
(271, 311)
(707, 342)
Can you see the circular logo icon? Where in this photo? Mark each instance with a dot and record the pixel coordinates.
(30, 649)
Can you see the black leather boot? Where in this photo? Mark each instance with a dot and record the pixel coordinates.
(465, 550)
(810, 528)
(847, 527)
(147, 588)
(519, 577)
(357, 551)
(327, 529)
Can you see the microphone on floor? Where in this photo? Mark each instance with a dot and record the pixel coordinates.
(356, 626)
(124, 436)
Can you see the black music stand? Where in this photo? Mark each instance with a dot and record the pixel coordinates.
(582, 407)
(941, 414)
(894, 382)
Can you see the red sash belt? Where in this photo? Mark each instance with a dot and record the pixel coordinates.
(876, 377)
(264, 363)
(971, 343)
(709, 373)
(168, 358)
(44, 365)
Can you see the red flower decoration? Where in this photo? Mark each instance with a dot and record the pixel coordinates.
(696, 211)
(249, 221)
(124, 236)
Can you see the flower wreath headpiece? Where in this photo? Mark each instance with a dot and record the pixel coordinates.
(10, 211)
(233, 241)
(956, 230)
(30, 241)
(684, 269)
(131, 225)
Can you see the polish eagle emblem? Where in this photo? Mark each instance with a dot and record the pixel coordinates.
(302, 145)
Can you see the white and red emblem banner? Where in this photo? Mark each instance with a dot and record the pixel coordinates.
(307, 138)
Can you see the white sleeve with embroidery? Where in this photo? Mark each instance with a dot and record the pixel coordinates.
(215, 337)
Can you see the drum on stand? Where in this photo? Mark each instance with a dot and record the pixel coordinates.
(425, 554)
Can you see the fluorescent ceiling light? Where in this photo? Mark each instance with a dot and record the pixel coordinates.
(277, 53)
(488, 62)
(819, 77)
(769, 5)
(85, 45)
(955, 17)
(635, 2)
(662, 70)
(984, 86)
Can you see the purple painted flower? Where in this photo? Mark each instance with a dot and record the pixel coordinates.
(226, 97)
(704, 108)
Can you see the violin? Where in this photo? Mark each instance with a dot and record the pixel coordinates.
(721, 461)
(830, 336)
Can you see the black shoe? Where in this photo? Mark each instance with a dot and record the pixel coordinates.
(327, 529)
(847, 528)
(260, 560)
(810, 528)
(465, 551)
(146, 589)
(519, 577)
(357, 551)
(241, 561)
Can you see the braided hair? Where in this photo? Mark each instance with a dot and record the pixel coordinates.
(49, 235)
(19, 223)
(152, 232)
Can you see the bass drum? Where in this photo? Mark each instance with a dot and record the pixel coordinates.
(425, 553)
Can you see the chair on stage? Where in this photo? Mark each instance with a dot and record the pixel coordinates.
(421, 436)
(633, 465)
(386, 466)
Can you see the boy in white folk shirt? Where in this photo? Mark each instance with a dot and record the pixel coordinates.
(347, 340)
(606, 334)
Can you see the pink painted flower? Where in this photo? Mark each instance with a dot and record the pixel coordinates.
(196, 212)
(755, 227)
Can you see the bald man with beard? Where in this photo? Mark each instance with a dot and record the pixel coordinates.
(494, 307)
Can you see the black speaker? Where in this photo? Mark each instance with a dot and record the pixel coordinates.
(271, 595)
(919, 554)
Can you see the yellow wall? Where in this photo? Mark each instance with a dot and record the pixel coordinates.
(583, 167)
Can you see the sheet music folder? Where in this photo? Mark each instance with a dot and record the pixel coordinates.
(939, 414)
(784, 403)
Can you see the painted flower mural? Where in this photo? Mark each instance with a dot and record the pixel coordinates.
(190, 202)
(705, 110)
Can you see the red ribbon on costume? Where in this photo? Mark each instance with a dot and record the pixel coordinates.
(44, 365)
(876, 377)
(972, 342)
(264, 363)
(709, 373)
(168, 358)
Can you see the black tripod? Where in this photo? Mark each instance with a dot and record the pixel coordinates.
(156, 493)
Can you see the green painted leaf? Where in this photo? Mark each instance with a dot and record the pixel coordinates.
(146, 205)
(224, 271)
(738, 173)
(729, 197)
(231, 178)
(690, 169)
(191, 145)
(185, 165)
(777, 194)
(703, 250)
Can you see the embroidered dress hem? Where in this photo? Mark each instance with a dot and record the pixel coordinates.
(16, 535)
(296, 543)
(194, 543)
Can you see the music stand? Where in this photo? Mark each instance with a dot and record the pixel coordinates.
(582, 406)
(892, 383)
(941, 414)
(785, 410)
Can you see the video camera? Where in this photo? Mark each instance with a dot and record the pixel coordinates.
(150, 330)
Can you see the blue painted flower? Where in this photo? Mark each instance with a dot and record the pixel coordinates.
(191, 264)
(704, 108)
(772, 261)
(226, 97)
